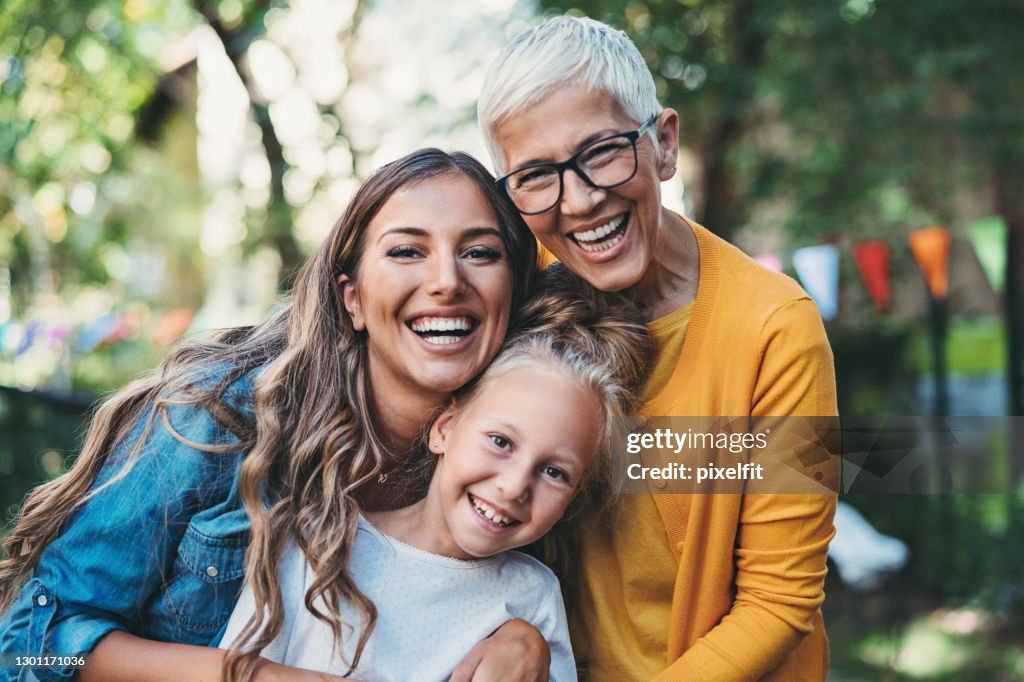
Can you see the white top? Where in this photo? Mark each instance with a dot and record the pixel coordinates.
(431, 610)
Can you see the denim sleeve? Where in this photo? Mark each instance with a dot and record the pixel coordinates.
(117, 551)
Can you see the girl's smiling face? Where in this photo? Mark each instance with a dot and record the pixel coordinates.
(510, 461)
(433, 289)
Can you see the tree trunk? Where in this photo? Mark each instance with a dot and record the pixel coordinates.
(1008, 185)
(279, 217)
(720, 209)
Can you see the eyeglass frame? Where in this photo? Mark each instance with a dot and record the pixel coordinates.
(570, 164)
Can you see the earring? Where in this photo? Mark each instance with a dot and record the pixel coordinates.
(436, 444)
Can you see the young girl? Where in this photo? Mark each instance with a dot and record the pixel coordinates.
(512, 450)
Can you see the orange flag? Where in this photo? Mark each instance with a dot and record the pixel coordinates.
(930, 246)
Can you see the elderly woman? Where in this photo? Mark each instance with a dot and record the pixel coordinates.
(677, 587)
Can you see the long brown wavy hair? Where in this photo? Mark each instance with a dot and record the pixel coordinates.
(311, 442)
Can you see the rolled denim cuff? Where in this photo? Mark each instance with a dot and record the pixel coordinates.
(49, 630)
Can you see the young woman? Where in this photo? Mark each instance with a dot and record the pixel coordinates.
(509, 460)
(197, 475)
(730, 586)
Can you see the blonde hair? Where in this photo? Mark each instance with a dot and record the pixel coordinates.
(594, 338)
(310, 444)
(562, 51)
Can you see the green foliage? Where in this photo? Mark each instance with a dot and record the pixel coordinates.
(963, 545)
(77, 73)
(35, 440)
(73, 80)
(872, 375)
(895, 92)
(100, 199)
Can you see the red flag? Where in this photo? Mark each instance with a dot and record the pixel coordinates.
(872, 259)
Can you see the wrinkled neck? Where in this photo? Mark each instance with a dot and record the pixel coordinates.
(671, 279)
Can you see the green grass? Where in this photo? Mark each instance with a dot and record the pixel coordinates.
(974, 346)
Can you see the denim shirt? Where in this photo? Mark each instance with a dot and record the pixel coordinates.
(158, 553)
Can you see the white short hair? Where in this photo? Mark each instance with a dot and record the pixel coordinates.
(576, 50)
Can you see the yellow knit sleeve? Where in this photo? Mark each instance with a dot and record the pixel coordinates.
(797, 375)
(782, 540)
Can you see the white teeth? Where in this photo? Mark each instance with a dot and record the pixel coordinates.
(442, 340)
(588, 239)
(441, 324)
(603, 246)
(599, 232)
(489, 513)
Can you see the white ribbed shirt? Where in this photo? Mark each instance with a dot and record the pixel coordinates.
(431, 610)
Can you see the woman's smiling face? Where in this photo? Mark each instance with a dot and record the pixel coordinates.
(433, 288)
(607, 236)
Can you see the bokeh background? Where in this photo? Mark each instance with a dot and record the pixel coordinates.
(165, 165)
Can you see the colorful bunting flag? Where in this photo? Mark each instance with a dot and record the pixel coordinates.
(96, 332)
(172, 325)
(770, 261)
(818, 270)
(872, 259)
(930, 246)
(988, 236)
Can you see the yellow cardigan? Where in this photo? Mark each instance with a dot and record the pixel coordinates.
(747, 596)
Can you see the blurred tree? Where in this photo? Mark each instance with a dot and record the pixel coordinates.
(237, 25)
(72, 76)
(84, 88)
(103, 196)
(910, 111)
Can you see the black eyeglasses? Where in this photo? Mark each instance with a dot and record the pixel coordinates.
(602, 164)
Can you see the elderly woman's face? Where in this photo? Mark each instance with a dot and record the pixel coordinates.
(434, 288)
(607, 236)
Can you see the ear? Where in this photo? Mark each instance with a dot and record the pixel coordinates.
(350, 297)
(440, 429)
(668, 143)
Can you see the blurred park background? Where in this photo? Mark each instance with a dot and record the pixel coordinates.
(166, 165)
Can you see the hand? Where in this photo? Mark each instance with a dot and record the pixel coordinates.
(516, 651)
